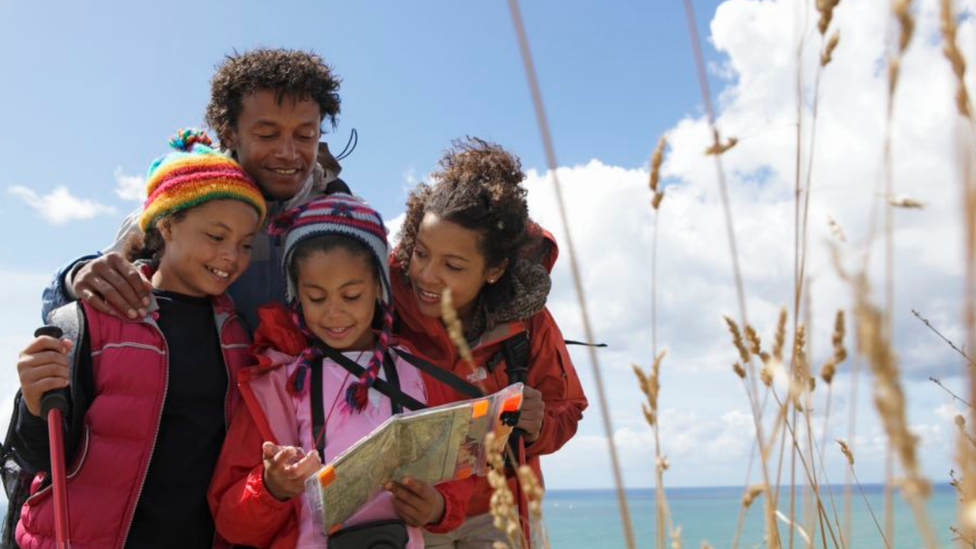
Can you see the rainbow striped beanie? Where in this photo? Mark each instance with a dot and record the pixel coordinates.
(193, 174)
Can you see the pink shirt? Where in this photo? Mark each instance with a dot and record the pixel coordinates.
(343, 428)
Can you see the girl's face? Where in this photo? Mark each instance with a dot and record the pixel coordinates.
(446, 255)
(338, 291)
(207, 249)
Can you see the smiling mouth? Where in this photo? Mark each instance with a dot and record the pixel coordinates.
(428, 297)
(224, 275)
(338, 333)
(288, 172)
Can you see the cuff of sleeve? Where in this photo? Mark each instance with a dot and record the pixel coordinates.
(453, 516)
(67, 279)
(540, 445)
(257, 491)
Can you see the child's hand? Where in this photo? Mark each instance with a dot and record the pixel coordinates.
(42, 367)
(532, 414)
(286, 468)
(417, 503)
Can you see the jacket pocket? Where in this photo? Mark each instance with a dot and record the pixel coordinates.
(45, 488)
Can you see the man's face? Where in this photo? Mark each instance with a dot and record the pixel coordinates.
(276, 142)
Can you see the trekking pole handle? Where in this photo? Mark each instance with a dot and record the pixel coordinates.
(56, 398)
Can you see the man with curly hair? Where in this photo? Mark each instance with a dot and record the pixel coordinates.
(267, 108)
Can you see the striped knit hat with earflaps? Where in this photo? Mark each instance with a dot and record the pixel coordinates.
(343, 215)
(193, 174)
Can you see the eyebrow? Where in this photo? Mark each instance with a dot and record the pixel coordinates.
(454, 256)
(226, 227)
(347, 284)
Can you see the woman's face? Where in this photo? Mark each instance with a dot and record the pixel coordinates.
(447, 255)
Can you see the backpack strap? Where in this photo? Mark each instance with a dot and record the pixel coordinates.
(389, 387)
(318, 408)
(444, 376)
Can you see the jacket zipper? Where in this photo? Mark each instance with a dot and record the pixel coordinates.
(152, 449)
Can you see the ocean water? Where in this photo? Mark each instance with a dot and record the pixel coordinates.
(577, 519)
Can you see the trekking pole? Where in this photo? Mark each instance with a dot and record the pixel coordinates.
(54, 404)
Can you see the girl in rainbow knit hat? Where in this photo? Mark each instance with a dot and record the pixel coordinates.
(150, 397)
(312, 395)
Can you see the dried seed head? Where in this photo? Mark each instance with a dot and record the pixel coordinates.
(828, 371)
(737, 338)
(656, 160)
(960, 421)
(721, 148)
(752, 492)
(739, 370)
(826, 9)
(755, 344)
(663, 464)
(454, 328)
(642, 381)
(905, 202)
(836, 229)
(846, 451)
(656, 199)
(766, 374)
(780, 338)
(827, 56)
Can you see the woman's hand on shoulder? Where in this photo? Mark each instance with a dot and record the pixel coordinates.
(286, 468)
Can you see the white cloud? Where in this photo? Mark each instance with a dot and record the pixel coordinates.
(130, 187)
(707, 429)
(60, 207)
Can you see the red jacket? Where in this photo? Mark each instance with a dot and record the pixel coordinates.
(550, 369)
(106, 477)
(244, 511)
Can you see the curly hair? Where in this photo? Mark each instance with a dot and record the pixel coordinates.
(151, 245)
(288, 72)
(479, 187)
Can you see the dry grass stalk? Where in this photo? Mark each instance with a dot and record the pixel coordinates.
(534, 492)
(944, 338)
(956, 60)
(827, 56)
(906, 202)
(553, 166)
(718, 148)
(657, 195)
(454, 328)
(799, 529)
(676, 538)
(706, 545)
(846, 450)
(650, 385)
(836, 229)
(889, 399)
(504, 508)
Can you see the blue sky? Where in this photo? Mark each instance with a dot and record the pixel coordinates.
(93, 91)
(102, 86)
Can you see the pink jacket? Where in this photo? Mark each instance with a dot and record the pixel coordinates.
(244, 511)
(129, 362)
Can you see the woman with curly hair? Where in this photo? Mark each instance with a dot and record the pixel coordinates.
(469, 232)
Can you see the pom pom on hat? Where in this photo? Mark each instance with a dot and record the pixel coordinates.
(193, 174)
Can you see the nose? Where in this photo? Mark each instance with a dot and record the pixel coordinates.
(428, 274)
(286, 149)
(230, 253)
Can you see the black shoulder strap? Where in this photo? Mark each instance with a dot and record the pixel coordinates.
(318, 408)
(585, 344)
(442, 375)
(384, 386)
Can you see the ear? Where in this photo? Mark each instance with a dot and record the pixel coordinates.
(496, 272)
(165, 228)
(229, 139)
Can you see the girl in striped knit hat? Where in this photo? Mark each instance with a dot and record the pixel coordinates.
(313, 393)
(150, 394)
